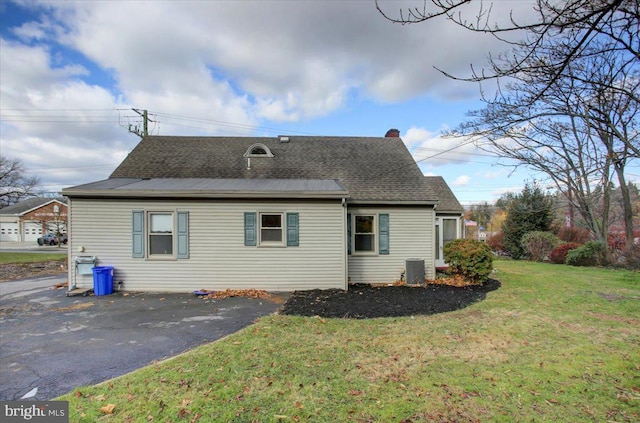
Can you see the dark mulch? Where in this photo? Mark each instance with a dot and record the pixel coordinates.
(363, 301)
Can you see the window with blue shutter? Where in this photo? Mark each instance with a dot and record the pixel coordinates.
(137, 234)
(183, 235)
(250, 229)
(158, 235)
(383, 237)
(293, 230)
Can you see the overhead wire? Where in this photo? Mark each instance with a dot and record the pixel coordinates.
(241, 127)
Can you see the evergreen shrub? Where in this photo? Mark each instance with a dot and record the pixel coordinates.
(469, 259)
(592, 253)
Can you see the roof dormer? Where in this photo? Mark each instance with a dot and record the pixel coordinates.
(258, 150)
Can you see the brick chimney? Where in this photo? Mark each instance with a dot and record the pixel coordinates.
(392, 133)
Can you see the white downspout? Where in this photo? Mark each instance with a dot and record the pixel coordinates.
(344, 244)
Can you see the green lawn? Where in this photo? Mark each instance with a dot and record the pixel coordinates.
(11, 257)
(554, 343)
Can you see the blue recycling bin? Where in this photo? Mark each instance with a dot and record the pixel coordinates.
(103, 280)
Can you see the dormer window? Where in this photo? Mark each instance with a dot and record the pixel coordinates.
(258, 150)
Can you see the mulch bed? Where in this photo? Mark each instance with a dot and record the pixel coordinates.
(364, 301)
(17, 271)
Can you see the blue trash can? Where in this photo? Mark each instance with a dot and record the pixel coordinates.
(103, 280)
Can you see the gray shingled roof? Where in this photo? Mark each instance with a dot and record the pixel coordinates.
(28, 204)
(448, 203)
(371, 168)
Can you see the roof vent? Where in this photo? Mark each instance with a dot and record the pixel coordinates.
(392, 133)
(283, 138)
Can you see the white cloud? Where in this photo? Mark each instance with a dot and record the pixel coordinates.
(461, 180)
(433, 150)
(496, 174)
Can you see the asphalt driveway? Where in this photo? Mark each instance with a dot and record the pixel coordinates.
(55, 343)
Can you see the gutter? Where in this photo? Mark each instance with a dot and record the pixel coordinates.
(123, 193)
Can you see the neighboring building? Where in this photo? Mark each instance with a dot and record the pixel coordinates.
(449, 218)
(283, 213)
(29, 219)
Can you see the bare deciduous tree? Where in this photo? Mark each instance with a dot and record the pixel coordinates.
(568, 92)
(581, 132)
(14, 184)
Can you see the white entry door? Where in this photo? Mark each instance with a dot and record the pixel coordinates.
(447, 229)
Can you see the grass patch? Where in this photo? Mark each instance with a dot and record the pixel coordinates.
(554, 343)
(11, 257)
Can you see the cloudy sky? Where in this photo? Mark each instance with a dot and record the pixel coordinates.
(72, 71)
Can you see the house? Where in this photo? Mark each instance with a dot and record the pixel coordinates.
(449, 223)
(29, 219)
(282, 213)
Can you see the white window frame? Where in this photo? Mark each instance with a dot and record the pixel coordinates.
(283, 232)
(148, 235)
(439, 237)
(373, 233)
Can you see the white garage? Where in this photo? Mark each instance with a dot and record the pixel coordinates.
(27, 220)
(9, 231)
(31, 231)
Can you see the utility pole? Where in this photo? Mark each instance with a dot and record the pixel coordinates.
(145, 124)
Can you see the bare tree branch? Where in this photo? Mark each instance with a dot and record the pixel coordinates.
(14, 185)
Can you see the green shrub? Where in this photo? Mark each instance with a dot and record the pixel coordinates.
(592, 253)
(538, 244)
(559, 254)
(469, 258)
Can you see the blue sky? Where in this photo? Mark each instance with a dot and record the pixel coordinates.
(70, 73)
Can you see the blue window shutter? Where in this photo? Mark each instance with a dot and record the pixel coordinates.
(348, 234)
(137, 234)
(250, 229)
(293, 230)
(383, 229)
(183, 235)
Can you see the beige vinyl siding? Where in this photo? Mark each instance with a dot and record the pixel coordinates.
(410, 236)
(218, 257)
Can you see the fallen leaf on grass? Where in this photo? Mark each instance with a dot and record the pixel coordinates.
(108, 409)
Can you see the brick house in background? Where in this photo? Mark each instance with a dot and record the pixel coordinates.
(29, 219)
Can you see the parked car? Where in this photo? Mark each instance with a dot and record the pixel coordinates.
(52, 239)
